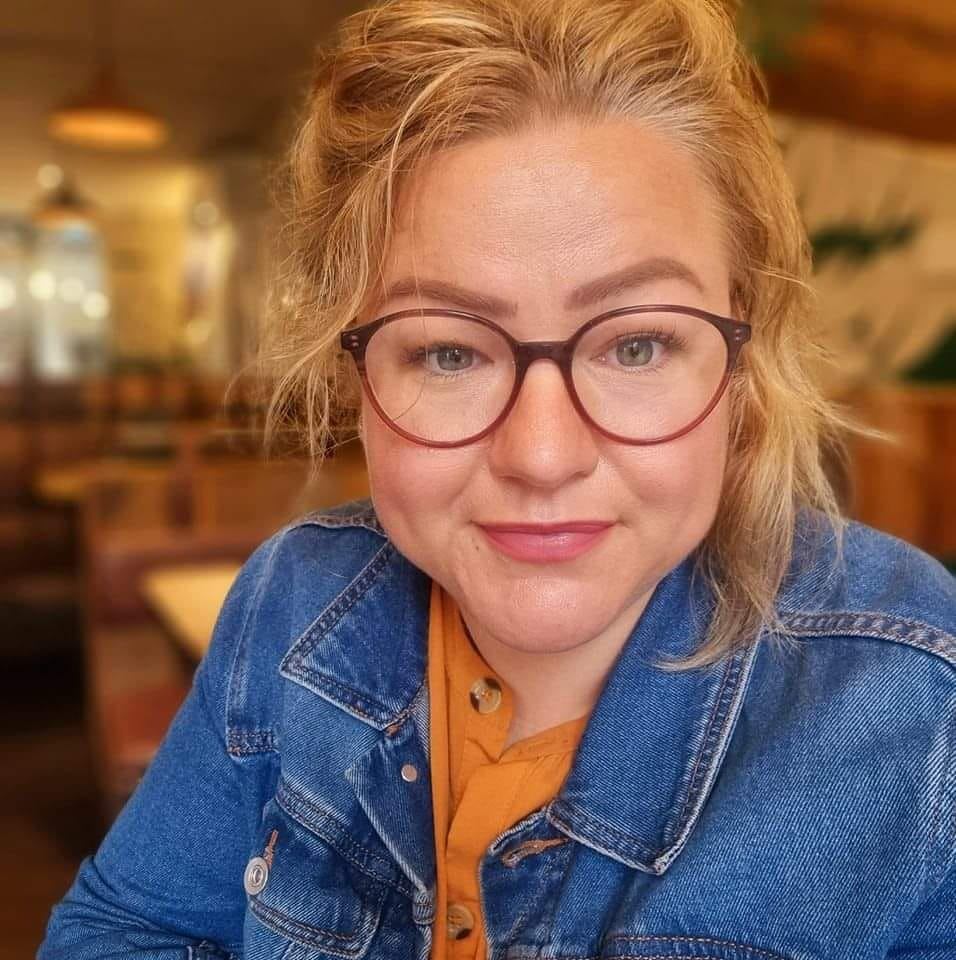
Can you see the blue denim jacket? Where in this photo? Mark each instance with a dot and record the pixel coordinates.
(791, 805)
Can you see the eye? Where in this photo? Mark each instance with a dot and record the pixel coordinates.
(451, 358)
(634, 351)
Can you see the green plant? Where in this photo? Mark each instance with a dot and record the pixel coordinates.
(769, 27)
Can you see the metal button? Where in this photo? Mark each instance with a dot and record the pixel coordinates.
(461, 921)
(256, 876)
(409, 772)
(485, 695)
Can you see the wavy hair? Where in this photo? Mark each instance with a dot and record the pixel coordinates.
(406, 78)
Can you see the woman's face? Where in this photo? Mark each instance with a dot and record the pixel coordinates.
(528, 219)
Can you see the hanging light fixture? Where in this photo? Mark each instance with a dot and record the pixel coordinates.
(102, 117)
(60, 204)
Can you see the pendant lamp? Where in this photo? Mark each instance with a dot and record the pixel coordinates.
(102, 117)
(62, 205)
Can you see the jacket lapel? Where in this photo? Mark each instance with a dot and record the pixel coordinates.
(392, 783)
(656, 738)
(365, 653)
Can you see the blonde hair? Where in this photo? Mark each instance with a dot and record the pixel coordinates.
(409, 77)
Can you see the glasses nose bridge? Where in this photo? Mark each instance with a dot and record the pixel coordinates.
(529, 352)
(559, 352)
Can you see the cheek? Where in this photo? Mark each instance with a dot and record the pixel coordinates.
(391, 462)
(415, 489)
(682, 480)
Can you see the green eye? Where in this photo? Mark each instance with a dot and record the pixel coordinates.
(636, 352)
(451, 359)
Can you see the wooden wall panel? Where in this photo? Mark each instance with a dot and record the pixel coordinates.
(907, 486)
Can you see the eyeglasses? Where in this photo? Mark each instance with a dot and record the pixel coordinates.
(639, 375)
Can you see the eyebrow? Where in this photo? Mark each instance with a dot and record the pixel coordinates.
(631, 277)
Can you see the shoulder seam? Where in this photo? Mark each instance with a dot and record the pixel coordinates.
(875, 626)
(240, 742)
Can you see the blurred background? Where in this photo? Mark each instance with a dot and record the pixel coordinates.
(138, 142)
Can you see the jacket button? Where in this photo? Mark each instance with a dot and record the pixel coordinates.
(409, 772)
(461, 921)
(256, 876)
(485, 695)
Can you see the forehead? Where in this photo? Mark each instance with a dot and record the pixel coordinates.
(531, 216)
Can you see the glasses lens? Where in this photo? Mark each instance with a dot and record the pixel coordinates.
(440, 378)
(649, 375)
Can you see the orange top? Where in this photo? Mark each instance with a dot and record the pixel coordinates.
(479, 789)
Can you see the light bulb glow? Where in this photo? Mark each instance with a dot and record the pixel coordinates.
(50, 176)
(42, 285)
(8, 293)
(108, 127)
(96, 305)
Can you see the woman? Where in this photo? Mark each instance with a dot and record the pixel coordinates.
(600, 671)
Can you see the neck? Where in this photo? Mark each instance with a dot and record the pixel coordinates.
(553, 687)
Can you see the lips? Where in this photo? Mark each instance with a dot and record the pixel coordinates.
(545, 542)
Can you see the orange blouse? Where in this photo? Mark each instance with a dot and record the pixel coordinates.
(479, 789)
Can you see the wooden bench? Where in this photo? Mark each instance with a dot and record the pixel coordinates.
(136, 678)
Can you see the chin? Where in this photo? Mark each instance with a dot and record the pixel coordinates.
(546, 643)
(546, 626)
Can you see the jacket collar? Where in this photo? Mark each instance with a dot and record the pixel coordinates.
(365, 652)
(655, 741)
(657, 738)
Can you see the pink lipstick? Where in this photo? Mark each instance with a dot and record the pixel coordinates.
(545, 542)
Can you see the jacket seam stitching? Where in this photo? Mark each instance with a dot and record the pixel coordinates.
(337, 607)
(657, 861)
(843, 614)
(711, 737)
(348, 945)
(408, 711)
(937, 862)
(234, 733)
(291, 803)
(752, 951)
(708, 941)
(345, 695)
(854, 623)
(365, 518)
(251, 742)
(292, 664)
(606, 834)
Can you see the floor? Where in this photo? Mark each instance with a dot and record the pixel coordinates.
(48, 814)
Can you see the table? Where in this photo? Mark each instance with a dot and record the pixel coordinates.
(187, 599)
(63, 484)
(68, 482)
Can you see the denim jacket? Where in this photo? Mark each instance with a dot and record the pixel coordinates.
(783, 804)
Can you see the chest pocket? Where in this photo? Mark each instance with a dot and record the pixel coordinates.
(306, 899)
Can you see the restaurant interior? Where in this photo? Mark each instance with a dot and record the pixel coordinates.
(141, 149)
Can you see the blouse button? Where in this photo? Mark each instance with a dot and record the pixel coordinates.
(485, 695)
(256, 876)
(461, 921)
(409, 772)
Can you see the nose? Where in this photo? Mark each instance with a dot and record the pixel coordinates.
(544, 442)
